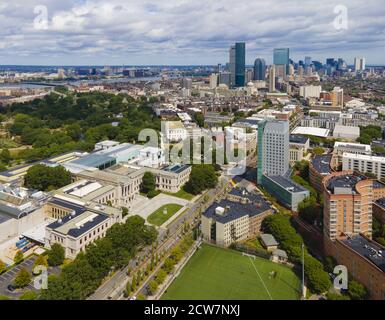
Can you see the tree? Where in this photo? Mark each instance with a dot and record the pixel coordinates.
(56, 255)
(318, 151)
(3, 267)
(357, 291)
(44, 178)
(128, 288)
(40, 261)
(309, 210)
(141, 297)
(160, 276)
(5, 156)
(4, 298)
(148, 182)
(19, 257)
(29, 295)
(23, 278)
(124, 211)
(202, 176)
(152, 287)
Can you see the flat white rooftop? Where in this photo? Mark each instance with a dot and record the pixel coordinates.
(317, 132)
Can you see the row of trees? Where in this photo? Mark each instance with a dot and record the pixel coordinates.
(84, 275)
(279, 225)
(168, 266)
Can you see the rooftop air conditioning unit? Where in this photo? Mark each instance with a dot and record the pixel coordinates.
(220, 211)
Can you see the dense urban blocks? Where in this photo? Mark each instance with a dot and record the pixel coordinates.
(216, 273)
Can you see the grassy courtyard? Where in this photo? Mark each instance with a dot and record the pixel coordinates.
(158, 217)
(181, 194)
(215, 273)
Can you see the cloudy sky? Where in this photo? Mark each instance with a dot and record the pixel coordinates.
(181, 32)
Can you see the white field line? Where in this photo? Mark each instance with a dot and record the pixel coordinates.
(267, 290)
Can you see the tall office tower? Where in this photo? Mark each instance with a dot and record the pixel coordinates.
(273, 148)
(272, 78)
(359, 64)
(281, 57)
(237, 64)
(337, 97)
(307, 61)
(300, 72)
(348, 201)
(330, 62)
(213, 80)
(225, 78)
(187, 83)
(259, 69)
(249, 75)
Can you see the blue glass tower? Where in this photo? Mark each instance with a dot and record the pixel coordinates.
(237, 64)
(259, 69)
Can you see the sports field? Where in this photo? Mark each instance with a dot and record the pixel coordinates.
(216, 273)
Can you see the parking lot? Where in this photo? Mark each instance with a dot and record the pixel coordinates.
(7, 278)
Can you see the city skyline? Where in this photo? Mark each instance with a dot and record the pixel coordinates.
(156, 33)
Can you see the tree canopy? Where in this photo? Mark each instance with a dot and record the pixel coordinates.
(44, 178)
(202, 177)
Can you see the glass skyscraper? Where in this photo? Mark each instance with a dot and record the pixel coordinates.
(237, 64)
(259, 69)
(281, 57)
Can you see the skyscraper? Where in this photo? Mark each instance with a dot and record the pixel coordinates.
(359, 64)
(272, 78)
(273, 148)
(307, 61)
(237, 64)
(281, 58)
(259, 69)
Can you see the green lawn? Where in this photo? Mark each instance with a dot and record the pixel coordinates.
(181, 194)
(158, 217)
(215, 273)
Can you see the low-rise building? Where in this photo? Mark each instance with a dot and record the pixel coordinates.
(341, 147)
(364, 164)
(298, 147)
(234, 219)
(174, 131)
(285, 190)
(346, 132)
(80, 226)
(20, 210)
(269, 242)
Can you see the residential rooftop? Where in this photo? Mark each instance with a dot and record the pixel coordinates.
(368, 249)
(344, 184)
(235, 210)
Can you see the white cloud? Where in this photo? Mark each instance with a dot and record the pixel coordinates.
(187, 32)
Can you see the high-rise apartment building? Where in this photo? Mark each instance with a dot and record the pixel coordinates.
(237, 64)
(259, 69)
(273, 148)
(348, 201)
(337, 97)
(359, 64)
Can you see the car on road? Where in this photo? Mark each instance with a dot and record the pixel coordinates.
(11, 288)
(133, 298)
